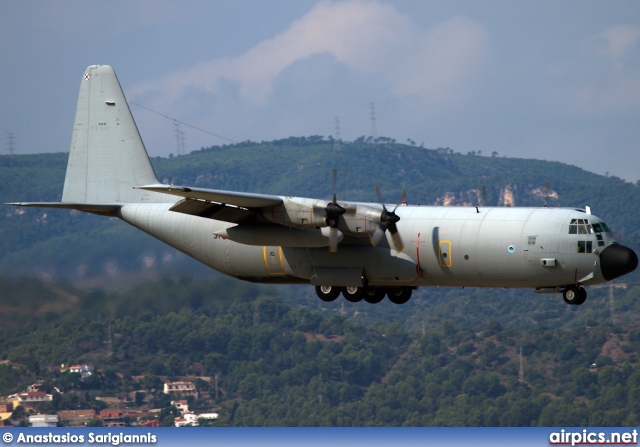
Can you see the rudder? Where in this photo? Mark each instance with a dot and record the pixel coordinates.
(107, 157)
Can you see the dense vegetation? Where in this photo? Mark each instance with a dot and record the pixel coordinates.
(283, 365)
(449, 357)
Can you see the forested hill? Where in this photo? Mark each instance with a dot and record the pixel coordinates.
(283, 357)
(279, 365)
(59, 243)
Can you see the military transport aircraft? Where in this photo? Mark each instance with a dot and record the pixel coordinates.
(356, 249)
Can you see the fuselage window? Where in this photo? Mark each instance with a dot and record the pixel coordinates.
(585, 246)
(580, 226)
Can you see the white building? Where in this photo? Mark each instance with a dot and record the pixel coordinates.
(30, 398)
(191, 419)
(84, 370)
(181, 405)
(182, 388)
(188, 419)
(43, 420)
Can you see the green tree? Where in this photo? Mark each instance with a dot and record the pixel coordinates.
(95, 423)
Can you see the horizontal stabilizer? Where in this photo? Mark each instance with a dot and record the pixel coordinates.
(104, 209)
(243, 199)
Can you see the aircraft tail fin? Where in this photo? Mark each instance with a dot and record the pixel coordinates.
(107, 157)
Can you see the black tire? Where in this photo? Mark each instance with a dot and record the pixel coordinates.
(399, 295)
(582, 296)
(353, 294)
(374, 296)
(574, 295)
(327, 293)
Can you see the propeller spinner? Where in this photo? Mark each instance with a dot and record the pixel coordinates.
(332, 213)
(388, 221)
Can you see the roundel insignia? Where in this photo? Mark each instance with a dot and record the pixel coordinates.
(511, 248)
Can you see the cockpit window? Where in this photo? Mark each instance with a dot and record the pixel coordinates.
(580, 226)
(601, 227)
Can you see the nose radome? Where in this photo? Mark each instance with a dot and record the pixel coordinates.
(617, 260)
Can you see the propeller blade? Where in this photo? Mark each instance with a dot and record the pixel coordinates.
(397, 239)
(333, 240)
(402, 197)
(388, 220)
(380, 197)
(332, 213)
(376, 236)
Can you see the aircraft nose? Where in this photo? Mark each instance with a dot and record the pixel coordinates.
(617, 260)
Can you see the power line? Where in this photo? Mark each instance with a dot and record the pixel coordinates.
(10, 143)
(372, 117)
(337, 140)
(182, 122)
(180, 138)
(521, 369)
(266, 152)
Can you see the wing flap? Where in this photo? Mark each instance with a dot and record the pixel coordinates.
(214, 211)
(241, 199)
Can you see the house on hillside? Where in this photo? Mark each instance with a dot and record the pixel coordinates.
(208, 416)
(191, 419)
(188, 420)
(180, 388)
(181, 405)
(43, 420)
(76, 418)
(112, 418)
(6, 408)
(84, 370)
(29, 399)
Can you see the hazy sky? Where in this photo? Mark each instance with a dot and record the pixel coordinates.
(554, 80)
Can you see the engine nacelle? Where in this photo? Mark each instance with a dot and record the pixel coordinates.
(297, 212)
(363, 222)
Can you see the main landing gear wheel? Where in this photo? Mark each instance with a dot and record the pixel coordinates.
(399, 295)
(353, 294)
(374, 296)
(327, 293)
(574, 295)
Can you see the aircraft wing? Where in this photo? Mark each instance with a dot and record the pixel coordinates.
(239, 199)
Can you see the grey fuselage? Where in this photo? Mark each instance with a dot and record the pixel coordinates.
(444, 246)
